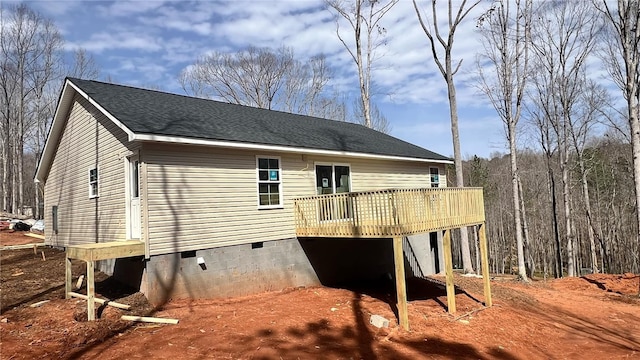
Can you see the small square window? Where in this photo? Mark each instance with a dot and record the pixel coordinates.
(93, 183)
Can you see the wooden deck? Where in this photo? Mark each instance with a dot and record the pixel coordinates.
(92, 252)
(388, 213)
(395, 214)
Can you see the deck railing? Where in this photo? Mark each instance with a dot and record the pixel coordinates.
(388, 213)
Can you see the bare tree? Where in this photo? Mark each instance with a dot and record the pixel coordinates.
(566, 34)
(593, 98)
(84, 65)
(379, 122)
(265, 78)
(623, 64)
(249, 77)
(448, 71)
(540, 112)
(506, 39)
(364, 18)
(29, 45)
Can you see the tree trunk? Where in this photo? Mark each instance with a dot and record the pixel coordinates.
(14, 176)
(5, 169)
(517, 222)
(587, 204)
(457, 159)
(558, 271)
(526, 250)
(20, 148)
(634, 122)
(564, 168)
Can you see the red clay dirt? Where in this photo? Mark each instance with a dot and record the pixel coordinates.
(593, 317)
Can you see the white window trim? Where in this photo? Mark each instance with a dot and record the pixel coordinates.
(333, 175)
(97, 194)
(280, 187)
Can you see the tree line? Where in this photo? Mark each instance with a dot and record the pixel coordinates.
(573, 206)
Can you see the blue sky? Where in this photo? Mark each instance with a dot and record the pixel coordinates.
(148, 43)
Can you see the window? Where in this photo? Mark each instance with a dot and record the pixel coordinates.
(333, 179)
(435, 177)
(54, 218)
(269, 183)
(93, 183)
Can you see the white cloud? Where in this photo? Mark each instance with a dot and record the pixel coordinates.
(124, 8)
(121, 40)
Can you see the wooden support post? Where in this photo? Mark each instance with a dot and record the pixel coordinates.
(401, 286)
(448, 269)
(67, 277)
(91, 289)
(484, 257)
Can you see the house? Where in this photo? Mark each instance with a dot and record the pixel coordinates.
(207, 189)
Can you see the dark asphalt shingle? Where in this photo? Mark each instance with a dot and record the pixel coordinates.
(158, 113)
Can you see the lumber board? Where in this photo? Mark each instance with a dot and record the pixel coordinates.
(100, 301)
(484, 257)
(80, 281)
(107, 250)
(34, 235)
(39, 303)
(67, 277)
(401, 286)
(149, 319)
(19, 247)
(91, 290)
(448, 268)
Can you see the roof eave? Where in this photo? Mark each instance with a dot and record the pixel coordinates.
(279, 148)
(57, 126)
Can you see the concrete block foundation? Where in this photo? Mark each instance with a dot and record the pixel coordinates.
(269, 266)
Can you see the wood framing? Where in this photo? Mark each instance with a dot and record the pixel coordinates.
(397, 213)
(106, 250)
(91, 253)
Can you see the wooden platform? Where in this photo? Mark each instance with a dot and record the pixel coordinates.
(395, 214)
(91, 253)
(107, 250)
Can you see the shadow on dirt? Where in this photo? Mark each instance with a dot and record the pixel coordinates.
(600, 285)
(359, 341)
(417, 289)
(584, 327)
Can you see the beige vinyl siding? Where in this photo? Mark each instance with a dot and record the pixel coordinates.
(205, 197)
(201, 197)
(89, 140)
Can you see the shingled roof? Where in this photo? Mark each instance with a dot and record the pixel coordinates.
(158, 113)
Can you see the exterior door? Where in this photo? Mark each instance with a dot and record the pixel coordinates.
(333, 179)
(134, 198)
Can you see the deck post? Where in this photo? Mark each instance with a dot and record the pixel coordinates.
(401, 286)
(484, 256)
(91, 305)
(67, 277)
(448, 268)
